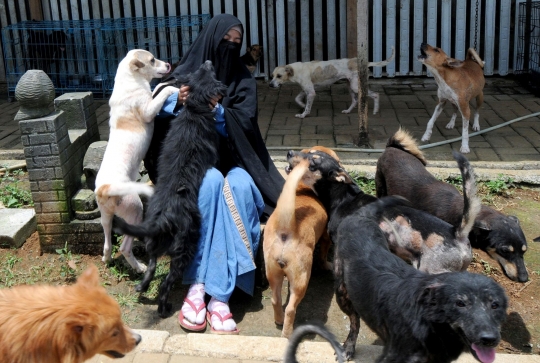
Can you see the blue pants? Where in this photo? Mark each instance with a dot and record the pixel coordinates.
(230, 232)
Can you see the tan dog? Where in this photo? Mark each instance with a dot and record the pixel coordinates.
(132, 126)
(459, 82)
(315, 74)
(62, 324)
(290, 235)
(252, 56)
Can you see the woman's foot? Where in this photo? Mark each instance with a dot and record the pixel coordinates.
(193, 313)
(220, 317)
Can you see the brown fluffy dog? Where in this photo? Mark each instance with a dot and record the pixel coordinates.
(62, 324)
(290, 236)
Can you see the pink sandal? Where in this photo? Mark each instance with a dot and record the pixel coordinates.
(188, 325)
(222, 318)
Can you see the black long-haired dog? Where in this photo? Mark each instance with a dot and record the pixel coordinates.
(172, 221)
(420, 317)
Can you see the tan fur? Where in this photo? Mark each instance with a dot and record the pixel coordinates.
(290, 235)
(458, 82)
(132, 112)
(62, 324)
(410, 145)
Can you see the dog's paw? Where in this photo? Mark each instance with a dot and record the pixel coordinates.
(141, 268)
(476, 127)
(464, 149)
(450, 125)
(346, 111)
(164, 309)
(106, 259)
(426, 136)
(300, 115)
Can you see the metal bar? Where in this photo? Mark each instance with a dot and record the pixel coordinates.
(304, 30)
(461, 28)
(343, 29)
(280, 32)
(489, 39)
(331, 29)
(271, 35)
(446, 25)
(317, 30)
(504, 37)
(418, 32)
(377, 36)
(404, 20)
(291, 32)
(391, 35)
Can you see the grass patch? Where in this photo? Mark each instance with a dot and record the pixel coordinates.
(13, 192)
(365, 184)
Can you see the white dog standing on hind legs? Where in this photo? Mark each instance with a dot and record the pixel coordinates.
(458, 82)
(132, 112)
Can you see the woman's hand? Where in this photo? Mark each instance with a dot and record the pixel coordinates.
(214, 101)
(183, 94)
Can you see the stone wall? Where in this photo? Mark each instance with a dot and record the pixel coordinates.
(54, 148)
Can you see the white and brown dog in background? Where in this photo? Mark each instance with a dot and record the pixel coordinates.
(459, 82)
(315, 74)
(132, 112)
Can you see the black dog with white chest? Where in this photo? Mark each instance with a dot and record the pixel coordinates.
(172, 221)
(401, 171)
(420, 317)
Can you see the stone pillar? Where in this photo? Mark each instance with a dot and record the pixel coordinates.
(54, 147)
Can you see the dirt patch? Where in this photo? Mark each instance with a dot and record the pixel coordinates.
(254, 315)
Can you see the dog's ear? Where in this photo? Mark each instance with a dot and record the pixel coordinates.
(482, 225)
(289, 71)
(342, 176)
(248, 49)
(453, 63)
(135, 64)
(90, 277)
(430, 300)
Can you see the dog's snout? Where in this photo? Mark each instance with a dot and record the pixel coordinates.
(290, 154)
(137, 337)
(489, 339)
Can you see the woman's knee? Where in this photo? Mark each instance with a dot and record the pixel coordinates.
(213, 180)
(239, 179)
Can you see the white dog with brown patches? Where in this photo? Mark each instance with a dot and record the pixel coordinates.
(315, 74)
(459, 82)
(132, 112)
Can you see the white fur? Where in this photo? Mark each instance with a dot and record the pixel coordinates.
(309, 77)
(132, 111)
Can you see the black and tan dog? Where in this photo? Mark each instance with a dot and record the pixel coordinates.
(423, 240)
(419, 317)
(171, 225)
(252, 56)
(297, 224)
(401, 171)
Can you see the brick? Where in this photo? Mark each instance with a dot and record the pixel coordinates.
(45, 196)
(41, 139)
(41, 174)
(43, 150)
(56, 206)
(46, 218)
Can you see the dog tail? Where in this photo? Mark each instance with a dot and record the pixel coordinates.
(471, 54)
(126, 188)
(403, 140)
(141, 231)
(311, 328)
(383, 63)
(471, 201)
(285, 208)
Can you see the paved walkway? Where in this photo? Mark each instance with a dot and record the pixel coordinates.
(407, 102)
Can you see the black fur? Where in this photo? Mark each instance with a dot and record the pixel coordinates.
(402, 172)
(425, 241)
(172, 221)
(419, 317)
(45, 49)
(311, 328)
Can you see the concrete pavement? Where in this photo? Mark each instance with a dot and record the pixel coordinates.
(160, 347)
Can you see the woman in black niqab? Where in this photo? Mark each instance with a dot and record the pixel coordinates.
(244, 146)
(235, 193)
